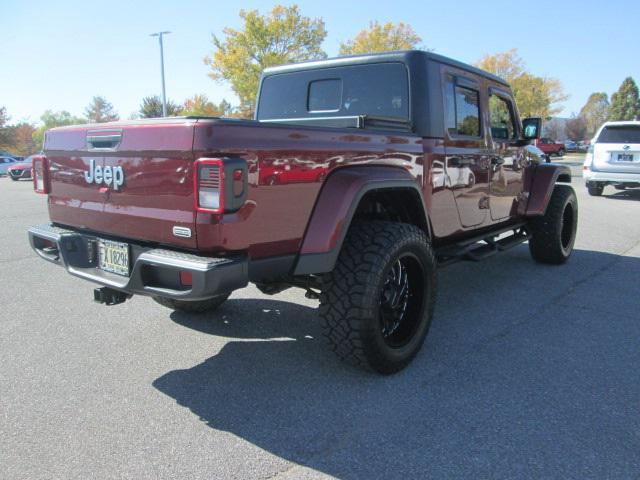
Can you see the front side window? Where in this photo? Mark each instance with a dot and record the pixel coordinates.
(501, 118)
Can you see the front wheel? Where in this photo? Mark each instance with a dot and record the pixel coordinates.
(14, 178)
(377, 303)
(197, 306)
(553, 234)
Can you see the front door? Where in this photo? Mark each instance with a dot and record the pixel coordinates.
(507, 159)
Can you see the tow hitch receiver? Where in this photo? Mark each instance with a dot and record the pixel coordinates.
(109, 296)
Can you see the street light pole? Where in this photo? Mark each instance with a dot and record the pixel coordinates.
(164, 96)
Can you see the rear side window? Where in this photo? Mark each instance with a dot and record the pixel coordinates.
(620, 134)
(380, 89)
(462, 109)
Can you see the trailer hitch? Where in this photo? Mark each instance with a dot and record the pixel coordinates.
(109, 296)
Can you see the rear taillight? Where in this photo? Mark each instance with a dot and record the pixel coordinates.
(208, 184)
(220, 185)
(40, 174)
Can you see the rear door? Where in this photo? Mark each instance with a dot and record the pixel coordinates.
(617, 148)
(133, 181)
(466, 163)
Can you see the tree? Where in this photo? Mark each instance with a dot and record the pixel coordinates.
(151, 107)
(283, 36)
(23, 143)
(553, 129)
(625, 103)
(51, 119)
(5, 132)
(595, 111)
(576, 128)
(100, 111)
(535, 96)
(382, 38)
(201, 105)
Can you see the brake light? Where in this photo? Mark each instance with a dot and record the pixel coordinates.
(40, 174)
(186, 278)
(208, 184)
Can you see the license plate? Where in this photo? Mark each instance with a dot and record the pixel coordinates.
(113, 257)
(625, 157)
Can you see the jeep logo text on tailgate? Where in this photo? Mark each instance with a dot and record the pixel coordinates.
(109, 175)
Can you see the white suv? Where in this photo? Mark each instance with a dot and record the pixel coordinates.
(613, 157)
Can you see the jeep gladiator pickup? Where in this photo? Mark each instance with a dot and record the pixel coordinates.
(414, 161)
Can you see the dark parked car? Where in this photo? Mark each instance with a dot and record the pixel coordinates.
(420, 161)
(21, 169)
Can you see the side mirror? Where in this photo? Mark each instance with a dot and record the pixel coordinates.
(531, 128)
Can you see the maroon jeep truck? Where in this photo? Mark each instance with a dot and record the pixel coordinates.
(418, 161)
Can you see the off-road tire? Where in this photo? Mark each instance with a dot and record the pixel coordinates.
(351, 302)
(198, 306)
(553, 234)
(595, 189)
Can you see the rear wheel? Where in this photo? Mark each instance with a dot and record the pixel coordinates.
(376, 305)
(553, 235)
(595, 189)
(561, 153)
(198, 306)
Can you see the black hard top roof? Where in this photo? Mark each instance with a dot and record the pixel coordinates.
(405, 56)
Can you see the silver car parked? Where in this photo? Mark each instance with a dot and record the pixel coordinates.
(6, 162)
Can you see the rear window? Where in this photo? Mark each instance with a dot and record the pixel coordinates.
(620, 134)
(325, 96)
(378, 89)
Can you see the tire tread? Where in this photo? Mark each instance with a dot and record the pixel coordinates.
(346, 297)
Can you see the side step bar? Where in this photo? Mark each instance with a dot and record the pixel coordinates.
(483, 246)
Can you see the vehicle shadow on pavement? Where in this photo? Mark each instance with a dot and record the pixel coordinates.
(520, 387)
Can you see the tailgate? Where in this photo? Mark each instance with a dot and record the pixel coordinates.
(617, 149)
(132, 181)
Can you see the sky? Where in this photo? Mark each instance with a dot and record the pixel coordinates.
(58, 55)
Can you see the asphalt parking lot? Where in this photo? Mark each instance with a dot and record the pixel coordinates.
(529, 371)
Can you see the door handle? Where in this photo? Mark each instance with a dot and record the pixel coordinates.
(103, 139)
